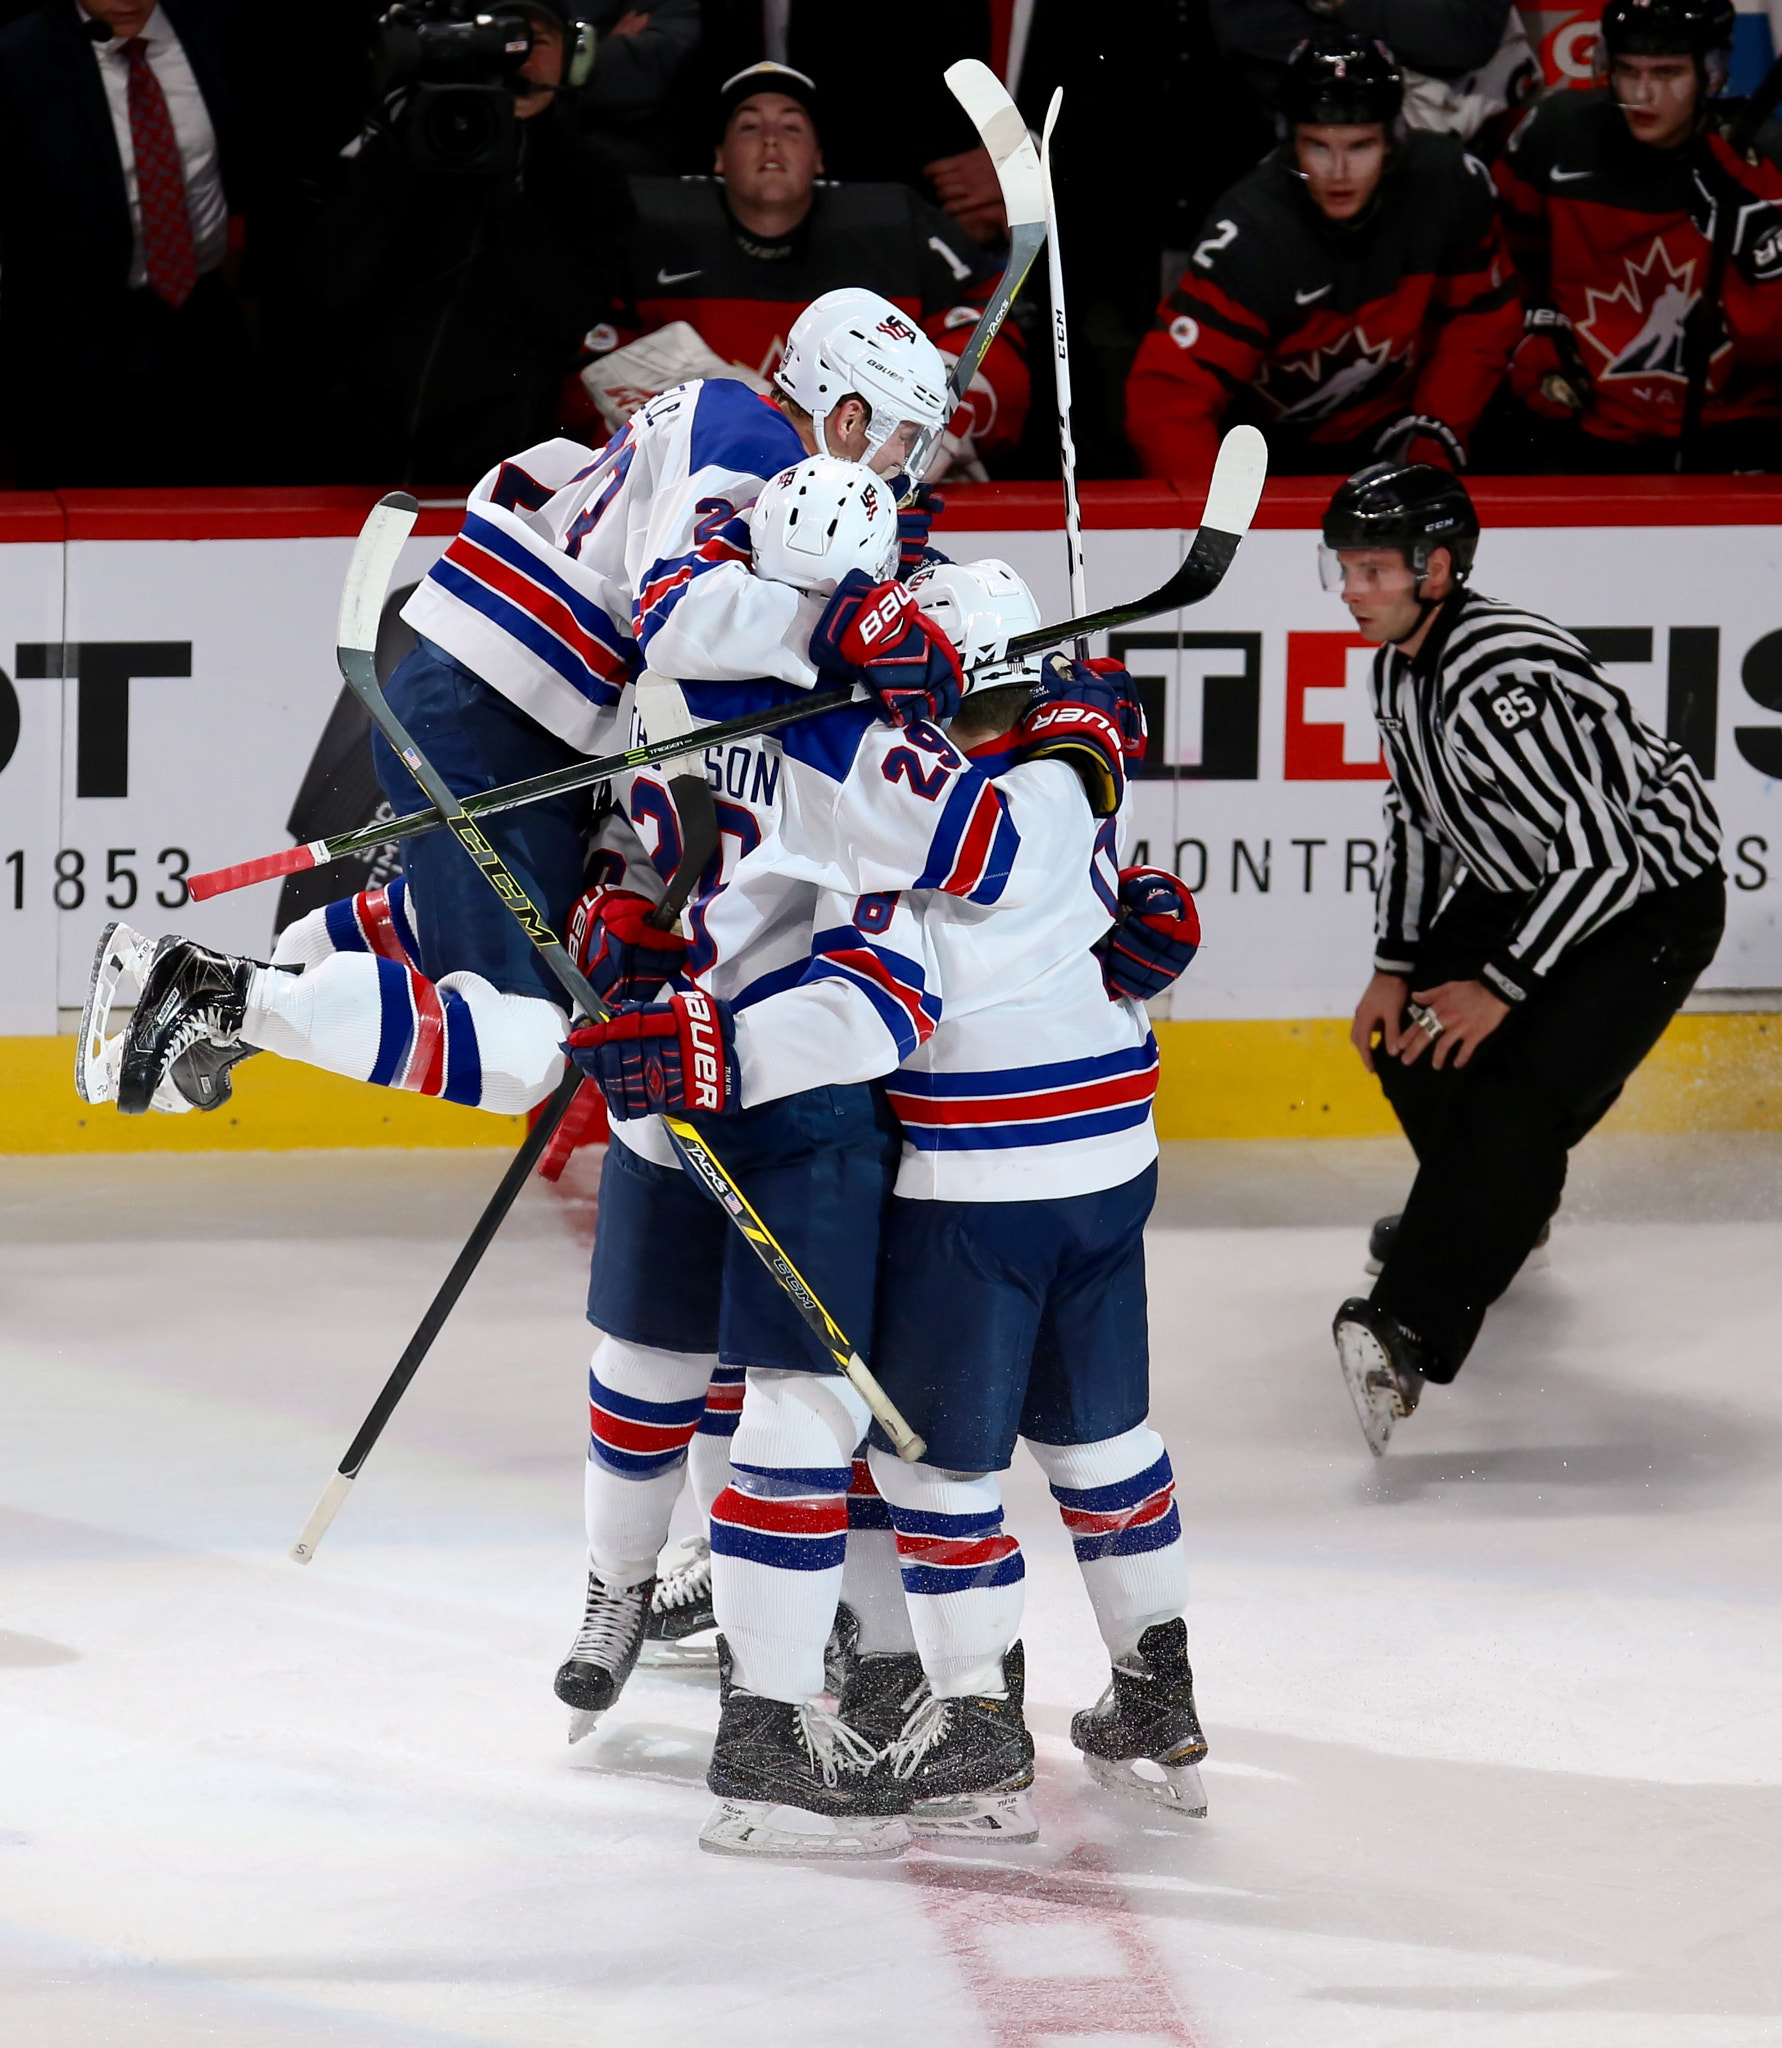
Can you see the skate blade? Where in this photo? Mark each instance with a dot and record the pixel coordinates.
(121, 955)
(975, 1817)
(1359, 1353)
(684, 1653)
(757, 1827)
(1176, 1789)
(583, 1723)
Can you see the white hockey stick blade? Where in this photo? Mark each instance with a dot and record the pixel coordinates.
(388, 526)
(1176, 1790)
(1238, 477)
(337, 1489)
(998, 121)
(756, 1827)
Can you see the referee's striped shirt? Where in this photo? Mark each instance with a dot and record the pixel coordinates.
(1515, 763)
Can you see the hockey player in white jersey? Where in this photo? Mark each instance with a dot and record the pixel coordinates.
(571, 572)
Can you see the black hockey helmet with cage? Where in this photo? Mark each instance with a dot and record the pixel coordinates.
(1412, 506)
(1339, 79)
(1667, 28)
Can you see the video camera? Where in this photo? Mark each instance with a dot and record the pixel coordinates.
(454, 64)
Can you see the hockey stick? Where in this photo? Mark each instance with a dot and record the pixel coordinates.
(1231, 503)
(292, 860)
(1702, 325)
(1004, 134)
(519, 1171)
(1067, 447)
(368, 577)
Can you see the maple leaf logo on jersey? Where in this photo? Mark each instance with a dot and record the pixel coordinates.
(1323, 381)
(1637, 329)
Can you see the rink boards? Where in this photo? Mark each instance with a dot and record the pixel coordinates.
(166, 668)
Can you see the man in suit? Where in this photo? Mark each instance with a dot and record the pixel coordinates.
(121, 345)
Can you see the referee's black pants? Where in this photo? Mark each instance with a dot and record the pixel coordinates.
(1491, 1137)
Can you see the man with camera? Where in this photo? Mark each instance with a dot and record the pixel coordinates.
(1549, 891)
(471, 237)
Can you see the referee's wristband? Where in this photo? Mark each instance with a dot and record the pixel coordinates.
(1503, 981)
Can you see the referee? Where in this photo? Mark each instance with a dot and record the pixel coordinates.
(1549, 891)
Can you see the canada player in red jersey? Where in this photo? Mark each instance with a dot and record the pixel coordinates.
(1609, 202)
(1352, 295)
(736, 255)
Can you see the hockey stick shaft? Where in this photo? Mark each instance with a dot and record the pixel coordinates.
(1067, 447)
(1702, 326)
(519, 1171)
(380, 542)
(295, 860)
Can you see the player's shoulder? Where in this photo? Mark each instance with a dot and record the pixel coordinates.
(1427, 160)
(675, 203)
(830, 744)
(1255, 241)
(733, 427)
(1493, 643)
(868, 207)
(1565, 131)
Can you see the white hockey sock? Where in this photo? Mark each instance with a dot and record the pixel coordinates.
(779, 1529)
(1118, 1500)
(643, 1407)
(871, 1583)
(708, 1456)
(962, 1576)
(377, 1019)
(375, 921)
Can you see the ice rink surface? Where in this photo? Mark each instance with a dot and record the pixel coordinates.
(1496, 1724)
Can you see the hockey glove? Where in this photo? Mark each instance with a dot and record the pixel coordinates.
(1084, 712)
(1547, 373)
(913, 523)
(678, 1056)
(877, 633)
(615, 945)
(1156, 937)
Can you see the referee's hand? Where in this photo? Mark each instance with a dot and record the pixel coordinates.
(1381, 1009)
(1468, 1013)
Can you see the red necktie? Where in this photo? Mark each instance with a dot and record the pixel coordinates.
(160, 184)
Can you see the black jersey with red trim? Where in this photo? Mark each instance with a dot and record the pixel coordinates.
(692, 261)
(1615, 235)
(1327, 331)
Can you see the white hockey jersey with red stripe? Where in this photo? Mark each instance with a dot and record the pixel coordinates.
(825, 827)
(573, 569)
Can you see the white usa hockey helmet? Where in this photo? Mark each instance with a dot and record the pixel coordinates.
(854, 341)
(981, 607)
(822, 517)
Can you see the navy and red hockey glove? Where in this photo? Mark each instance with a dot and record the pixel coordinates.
(1156, 937)
(613, 942)
(913, 523)
(876, 632)
(678, 1056)
(1086, 713)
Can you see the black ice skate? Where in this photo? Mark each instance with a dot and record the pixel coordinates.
(880, 1693)
(680, 1630)
(842, 1650)
(198, 1079)
(794, 1781)
(969, 1763)
(1147, 1716)
(190, 996)
(1385, 1231)
(593, 1675)
(1382, 1366)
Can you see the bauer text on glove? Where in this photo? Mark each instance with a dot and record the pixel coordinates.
(678, 1056)
(877, 632)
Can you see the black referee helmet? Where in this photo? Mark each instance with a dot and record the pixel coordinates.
(1412, 506)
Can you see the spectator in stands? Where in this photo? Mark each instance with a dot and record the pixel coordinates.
(1609, 201)
(122, 348)
(1351, 296)
(734, 256)
(927, 143)
(639, 55)
(451, 304)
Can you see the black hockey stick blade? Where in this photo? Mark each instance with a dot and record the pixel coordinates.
(1232, 497)
(519, 1171)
